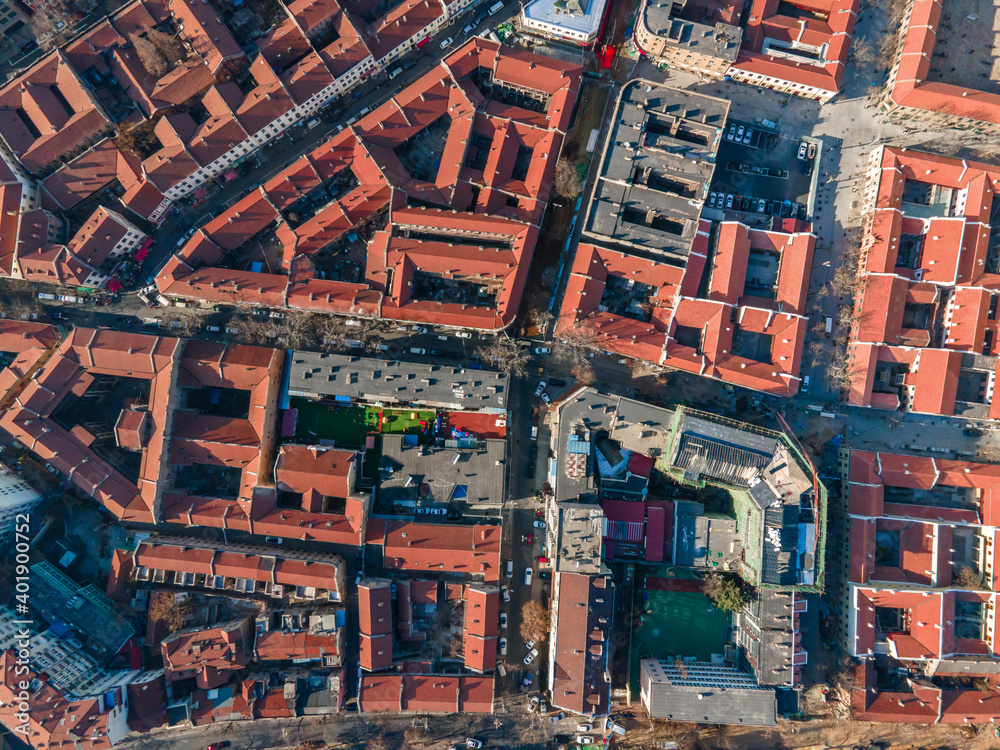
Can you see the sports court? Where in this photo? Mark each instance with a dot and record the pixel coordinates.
(676, 624)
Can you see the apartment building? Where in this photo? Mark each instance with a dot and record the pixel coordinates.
(697, 36)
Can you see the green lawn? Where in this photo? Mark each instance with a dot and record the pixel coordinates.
(344, 424)
(675, 624)
(407, 421)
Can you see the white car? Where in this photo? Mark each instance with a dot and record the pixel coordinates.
(531, 656)
(585, 739)
(503, 619)
(419, 329)
(273, 539)
(533, 704)
(732, 133)
(545, 398)
(540, 388)
(473, 743)
(531, 644)
(506, 593)
(539, 524)
(729, 201)
(711, 200)
(417, 350)
(584, 727)
(464, 335)
(527, 576)
(746, 138)
(468, 28)
(503, 647)
(803, 148)
(543, 349)
(445, 43)
(739, 134)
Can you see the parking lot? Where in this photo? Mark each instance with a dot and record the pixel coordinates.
(760, 170)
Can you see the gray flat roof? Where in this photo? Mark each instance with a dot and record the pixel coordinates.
(718, 40)
(642, 428)
(578, 546)
(350, 377)
(655, 168)
(706, 693)
(443, 474)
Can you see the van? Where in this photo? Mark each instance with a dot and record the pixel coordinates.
(501, 670)
(312, 123)
(163, 300)
(496, 8)
(805, 384)
(829, 324)
(616, 728)
(383, 347)
(417, 350)
(364, 112)
(394, 72)
(510, 568)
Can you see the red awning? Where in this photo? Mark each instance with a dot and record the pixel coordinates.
(114, 285)
(423, 41)
(230, 175)
(143, 250)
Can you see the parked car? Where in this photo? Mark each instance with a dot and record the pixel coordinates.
(273, 539)
(739, 133)
(531, 656)
(711, 200)
(543, 708)
(472, 741)
(258, 312)
(419, 329)
(972, 432)
(746, 203)
(557, 717)
(444, 43)
(811, 153)
(527, 576)
(746, 137)
(539, 524)
(417, 350)
(464, 335)
(585, 739)
(531, 644)
(435, 352)
(543, 349)
(585, 727)
(470, 27)
(506, 593)
(503, 619)
(544, 575)
(556, 383)
(533, 704)
(540, 387)
(732, 133)
(530, 470)
(546, 398)
(528, 679)
(503, 647)
(803, 150)
(729, 201)
(761, 205)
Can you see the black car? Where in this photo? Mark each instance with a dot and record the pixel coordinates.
(435, 352)
(745, 204)
(544, 575)
(533, 451)
(531, 470)
(557, 382)
(972, 432)
(221, 308)
(563, 738)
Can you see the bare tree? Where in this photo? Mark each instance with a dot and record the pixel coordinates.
(52, 23)
(138, 139)
(168, 46)
(534, 620)
(171, 611)
(18, 300)
(967, 577)
(583, 373)
(567, 182)
(862, 52)
(150, 56)
(506, 355)
(576, 344)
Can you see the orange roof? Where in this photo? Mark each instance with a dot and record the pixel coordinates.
(473, 550)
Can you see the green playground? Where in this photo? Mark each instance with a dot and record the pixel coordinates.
(350, 425)
(673, 624)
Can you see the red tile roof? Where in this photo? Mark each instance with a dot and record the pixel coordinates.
(827, 28)
(426, 693)
(53, 719)
(367, 151)
(472, 550)
(286, 645)
(582, 610)
(209, 655)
